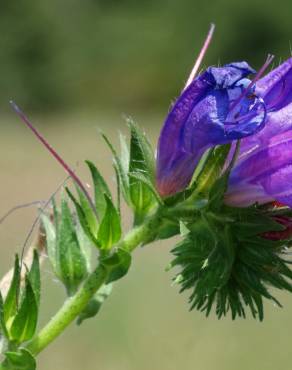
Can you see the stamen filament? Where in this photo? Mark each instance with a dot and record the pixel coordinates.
(259, 74)
(66, 167)
(201, 55)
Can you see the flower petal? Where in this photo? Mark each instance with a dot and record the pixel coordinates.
(276, 87)
(277, 123)
(198, 120)
(278, 185)
(266, 169)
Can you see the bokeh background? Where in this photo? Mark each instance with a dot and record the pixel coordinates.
(77, 66)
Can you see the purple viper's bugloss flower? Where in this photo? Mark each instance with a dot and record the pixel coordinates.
(212, 110)
(263, 171)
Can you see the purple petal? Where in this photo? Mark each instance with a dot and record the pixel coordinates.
(169, 140)
(261, 174)
(277, 122)
(276, 87)
(228, 75)
(278, 184)
(246, 194)
(200, 119)
(265, 159)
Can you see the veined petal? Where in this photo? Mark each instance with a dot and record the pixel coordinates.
(180, 175)
(277, 123)
(278, 184)
(265, 159)
(268, 169)
(200, 119)
(229, 74)
(276, 87)
(170, 138)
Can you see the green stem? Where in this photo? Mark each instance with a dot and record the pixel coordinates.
(69, 311)
(75, 304)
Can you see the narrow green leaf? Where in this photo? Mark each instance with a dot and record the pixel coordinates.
(217, 192)
(21, 360)
(72, 264)
(50, 239)
(143, 179)
(95, 303)
(85, 244)
(11, 301)
(35, 276)
(82, 218)
(141, 171)
(121, 170)
(24, 324)
(55, 214)
(109, 231)
(125, 154)
(141, 153)
(90, 216)
(3, 330)
(100, 188)
(219, 187)
(118, 180)
(212, 168)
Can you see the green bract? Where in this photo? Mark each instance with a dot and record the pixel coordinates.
(67, 255)
(19, 310)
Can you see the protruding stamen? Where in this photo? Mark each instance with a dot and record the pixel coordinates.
(201, 55)
(67, 168)
(259, 74)
(278, 99)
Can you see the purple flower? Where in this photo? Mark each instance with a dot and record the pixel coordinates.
(214, 109)
(263, 171)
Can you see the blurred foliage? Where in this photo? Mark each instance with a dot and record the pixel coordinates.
(71, 54)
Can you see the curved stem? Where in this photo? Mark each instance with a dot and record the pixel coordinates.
(69, 311)
(75, 304)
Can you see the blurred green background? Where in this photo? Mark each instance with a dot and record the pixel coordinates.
(75, 67)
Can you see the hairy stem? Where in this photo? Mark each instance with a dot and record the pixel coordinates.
(75, 304)
(69, 311)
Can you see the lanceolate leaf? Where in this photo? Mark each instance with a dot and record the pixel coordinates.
(220, 185)
(141, 162)
(121, 170)
(141, 153)
(50, 238)
(91, 216)
(100, 188)
(146, 182)
(11, 301)
(217, 191)
(34, 277)
(109, 231)
(3, 330)
(118, 179)
(212, 168)
(24, 324)
(82, 219)
(72, 265)
(125, 154)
